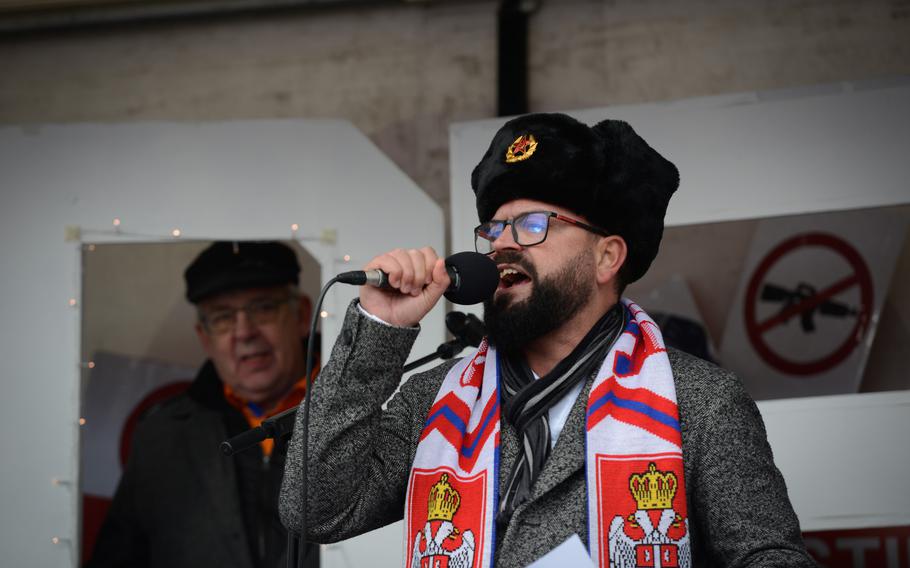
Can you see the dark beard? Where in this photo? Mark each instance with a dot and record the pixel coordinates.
(553, 301)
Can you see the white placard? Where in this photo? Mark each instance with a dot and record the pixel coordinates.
(808, 302)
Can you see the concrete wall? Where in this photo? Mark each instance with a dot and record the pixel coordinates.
(403, 73)
(400, 74)
(593, 53)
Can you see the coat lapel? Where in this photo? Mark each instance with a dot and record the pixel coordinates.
(568, 455)
(508, 452)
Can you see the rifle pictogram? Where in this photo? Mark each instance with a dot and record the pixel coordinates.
(806, 302)
(804, 296)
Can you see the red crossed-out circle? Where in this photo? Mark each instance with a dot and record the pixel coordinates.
(860, 277)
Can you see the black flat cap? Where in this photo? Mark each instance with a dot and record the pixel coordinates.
(233, 265)
(606, 173)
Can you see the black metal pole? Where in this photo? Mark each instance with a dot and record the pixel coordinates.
(512, 59)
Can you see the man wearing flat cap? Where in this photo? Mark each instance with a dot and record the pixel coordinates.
(180, 502)
(572, 417)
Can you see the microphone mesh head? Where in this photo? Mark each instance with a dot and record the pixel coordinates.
(478, 277)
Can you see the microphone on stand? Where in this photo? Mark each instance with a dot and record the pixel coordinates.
(467, 328)
(474, 278)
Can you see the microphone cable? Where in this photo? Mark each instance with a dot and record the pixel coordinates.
(305, 428)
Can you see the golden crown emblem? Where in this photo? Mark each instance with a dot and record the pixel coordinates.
(653, 489)
(521, 148)
(444, 500)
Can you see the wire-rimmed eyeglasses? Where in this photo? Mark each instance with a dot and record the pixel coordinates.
(259, 312)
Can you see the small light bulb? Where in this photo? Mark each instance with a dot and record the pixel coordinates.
(82, 421)
(91, 248)
(55, 540)
(116, 221)
(323, 314)
(91, 364)
(295, 227)
(176, 233)
(72, 302)
(347, 258)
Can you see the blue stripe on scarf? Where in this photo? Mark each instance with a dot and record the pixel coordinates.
(468, 451)
(635, 406)
(449, 414)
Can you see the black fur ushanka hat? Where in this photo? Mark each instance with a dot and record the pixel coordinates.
(606, 173)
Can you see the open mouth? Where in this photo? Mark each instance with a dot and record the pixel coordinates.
(510, 277)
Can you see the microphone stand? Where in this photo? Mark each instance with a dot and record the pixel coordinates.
(282, 424)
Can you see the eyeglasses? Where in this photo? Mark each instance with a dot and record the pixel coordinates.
(259, 312)
(528, 229)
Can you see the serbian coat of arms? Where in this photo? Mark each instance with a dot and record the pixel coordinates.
(653, 531)
(444, 541)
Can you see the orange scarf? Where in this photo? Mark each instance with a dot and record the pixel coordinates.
(255, 416)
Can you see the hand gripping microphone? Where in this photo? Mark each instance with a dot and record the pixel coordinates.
(474, 278)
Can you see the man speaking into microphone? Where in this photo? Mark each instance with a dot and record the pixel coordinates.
(572, 417)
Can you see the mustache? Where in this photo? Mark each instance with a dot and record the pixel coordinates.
(516, 258)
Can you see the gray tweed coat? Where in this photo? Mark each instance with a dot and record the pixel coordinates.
(360, 457)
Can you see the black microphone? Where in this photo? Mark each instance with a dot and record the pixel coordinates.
(474, 277)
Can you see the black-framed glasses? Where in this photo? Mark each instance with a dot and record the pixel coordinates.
(259, 312)
(528, 229)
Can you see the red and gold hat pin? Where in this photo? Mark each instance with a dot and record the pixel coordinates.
(521, 149)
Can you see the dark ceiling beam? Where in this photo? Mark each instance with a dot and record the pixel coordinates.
(512, 56)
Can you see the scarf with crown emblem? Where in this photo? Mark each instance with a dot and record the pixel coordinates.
(636, 491)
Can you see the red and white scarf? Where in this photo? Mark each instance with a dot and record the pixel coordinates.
(636, 491)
